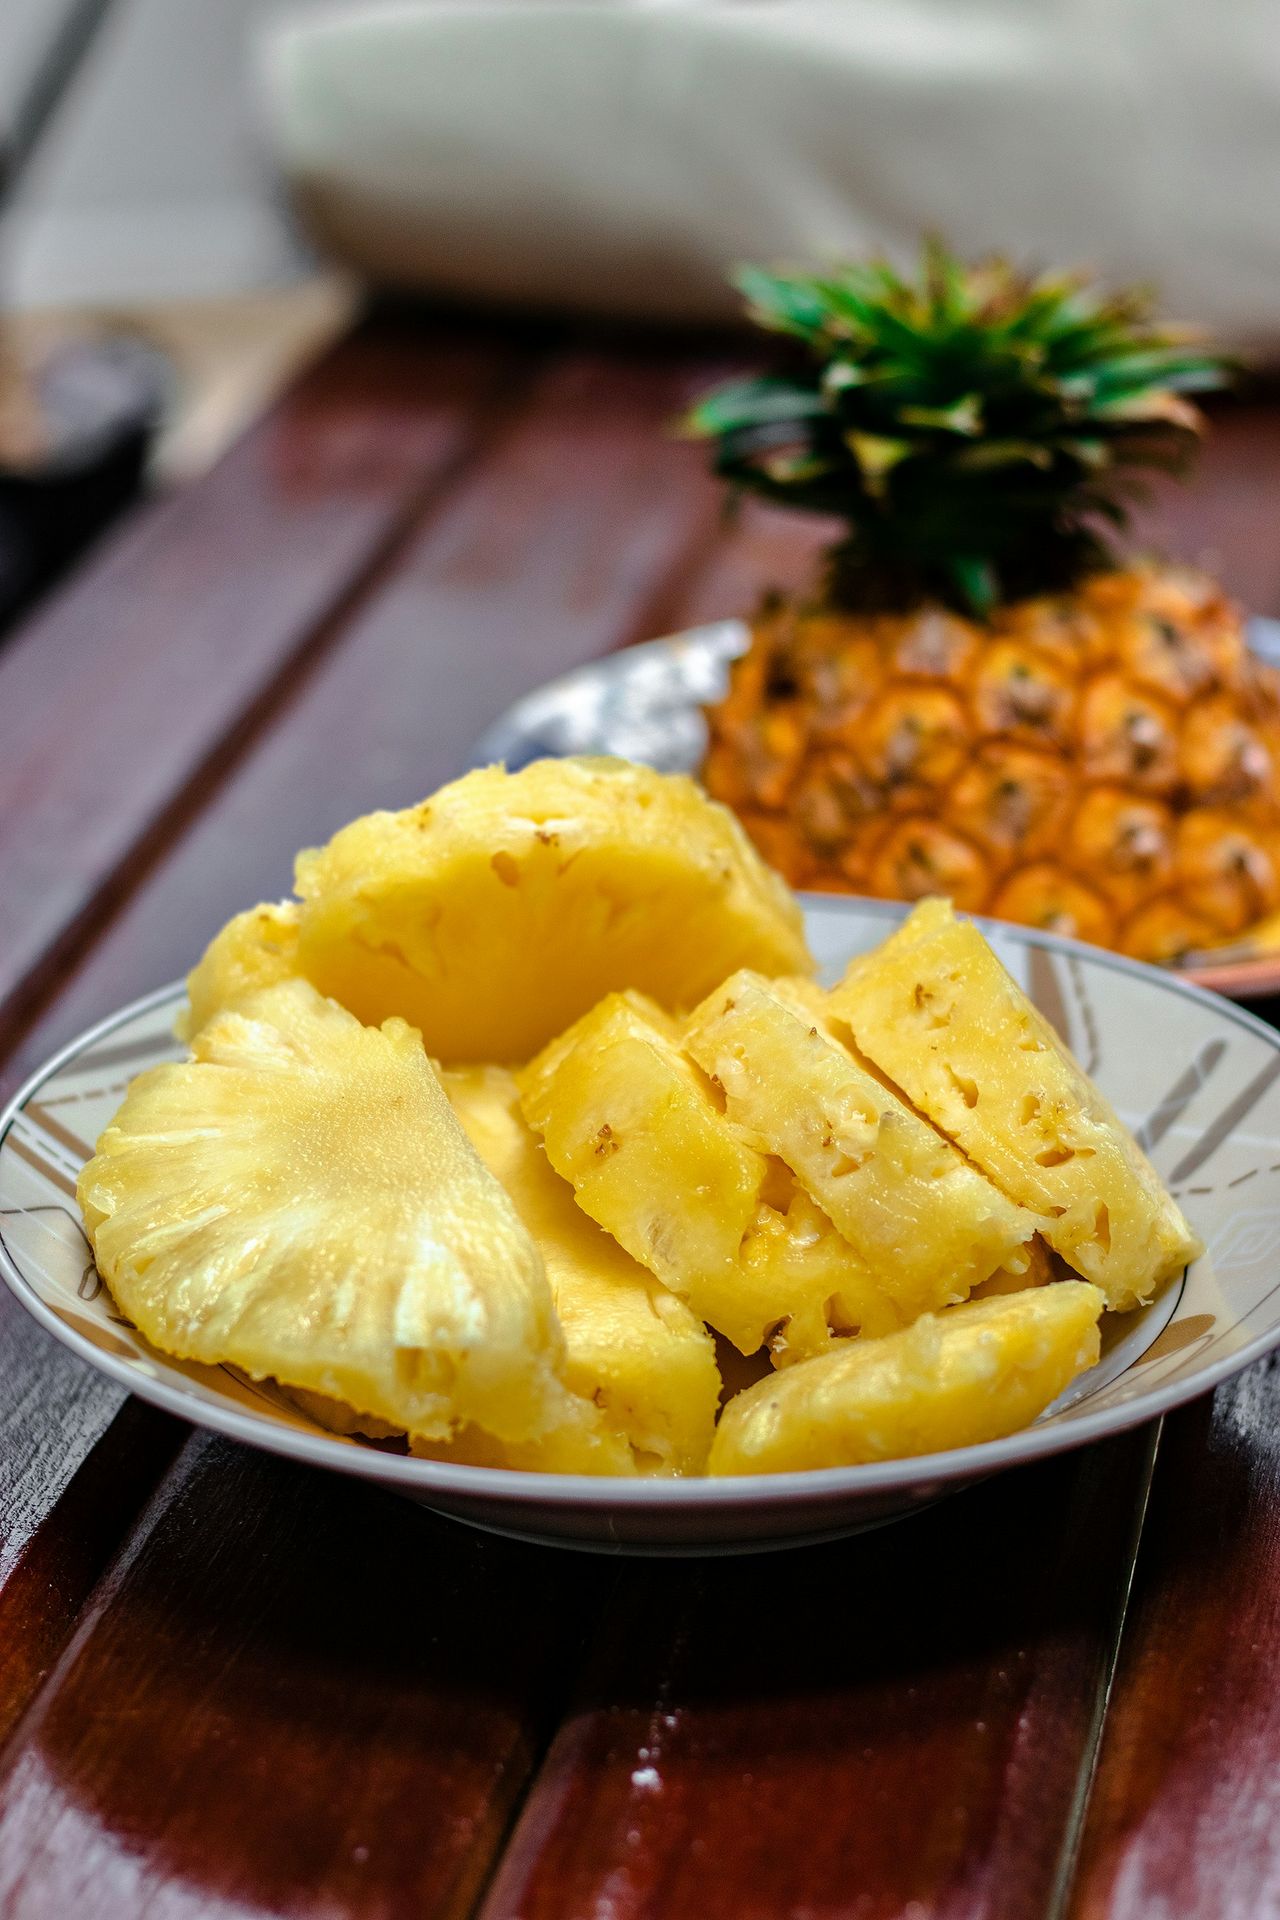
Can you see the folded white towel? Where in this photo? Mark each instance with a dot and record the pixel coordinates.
(619, 156)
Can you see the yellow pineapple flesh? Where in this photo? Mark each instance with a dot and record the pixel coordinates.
(299, 1200)
(632, 1349)
(256, 949)
(1103, 764)
(955, 1379)
(917, 1213)
(938, 1014)
(496, 912)
(630, 1122)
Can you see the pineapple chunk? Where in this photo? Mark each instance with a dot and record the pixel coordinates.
(632, 1349)
(954, 1379)
(501, 909)
(632, 1124)
(1035, 1265)
(579, 1442)
(257, 949)
(299, 1200)
(582, 1441)
(908, 1202)
(937, 1013)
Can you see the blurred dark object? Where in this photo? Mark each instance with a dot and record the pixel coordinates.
(75, 431)
(92, 410)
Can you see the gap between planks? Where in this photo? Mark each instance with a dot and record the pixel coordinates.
(1077, 1818)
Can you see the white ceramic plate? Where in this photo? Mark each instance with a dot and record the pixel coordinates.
(645, 703)
(1199, 1079)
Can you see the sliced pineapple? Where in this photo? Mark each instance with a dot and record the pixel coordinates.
(937, 1013)
(629, 1120)
(255, 950)
(633, 1351)
(501, 909)
(908, 1202)
(1034, 1265)
(582, 1441)
(954, 1379)
(299, 1200)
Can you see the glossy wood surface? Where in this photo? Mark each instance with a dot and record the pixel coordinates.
(232, 1686)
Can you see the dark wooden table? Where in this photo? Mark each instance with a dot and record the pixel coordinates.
(230, 1686)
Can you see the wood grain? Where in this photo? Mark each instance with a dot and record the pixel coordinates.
(892, 1726)
(66, 1509)
(117, 700)
(1184, 1818)
(1223, 517)
(296, 1696)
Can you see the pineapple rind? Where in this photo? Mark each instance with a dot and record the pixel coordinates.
(496, 912)
(634, 1354)
(299, 1200)
(969, 1374)
(924, 1221)
(936, 1012)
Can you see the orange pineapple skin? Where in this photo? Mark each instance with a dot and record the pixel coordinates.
(1104, 764)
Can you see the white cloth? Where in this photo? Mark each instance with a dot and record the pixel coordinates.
(620, 156)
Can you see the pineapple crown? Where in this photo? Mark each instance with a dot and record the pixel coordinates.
(977, 428)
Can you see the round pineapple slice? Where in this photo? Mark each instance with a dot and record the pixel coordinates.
(299, 1200)
(954, 1379)
(497, 912)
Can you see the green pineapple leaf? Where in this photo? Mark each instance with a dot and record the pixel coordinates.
(974, 427)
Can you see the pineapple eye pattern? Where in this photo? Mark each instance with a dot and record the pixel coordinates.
(979, 432)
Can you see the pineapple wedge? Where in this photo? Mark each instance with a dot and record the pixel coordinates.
(257, 949)
(938, 1014)
(1034, 1266)
(954, 1379)
(630, 1122)
(502, 908)
(580, 1441)
(632, 1349)
(299, 1200)
(907, 1201)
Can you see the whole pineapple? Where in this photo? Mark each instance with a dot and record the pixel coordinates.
(983, 700)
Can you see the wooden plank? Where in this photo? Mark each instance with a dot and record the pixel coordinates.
(554, 550)
(297, 1696)
(107, 703)
(1225, 517)
(1184, 1817)
(894, 1726)
(121, 696)
(66, 1507)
